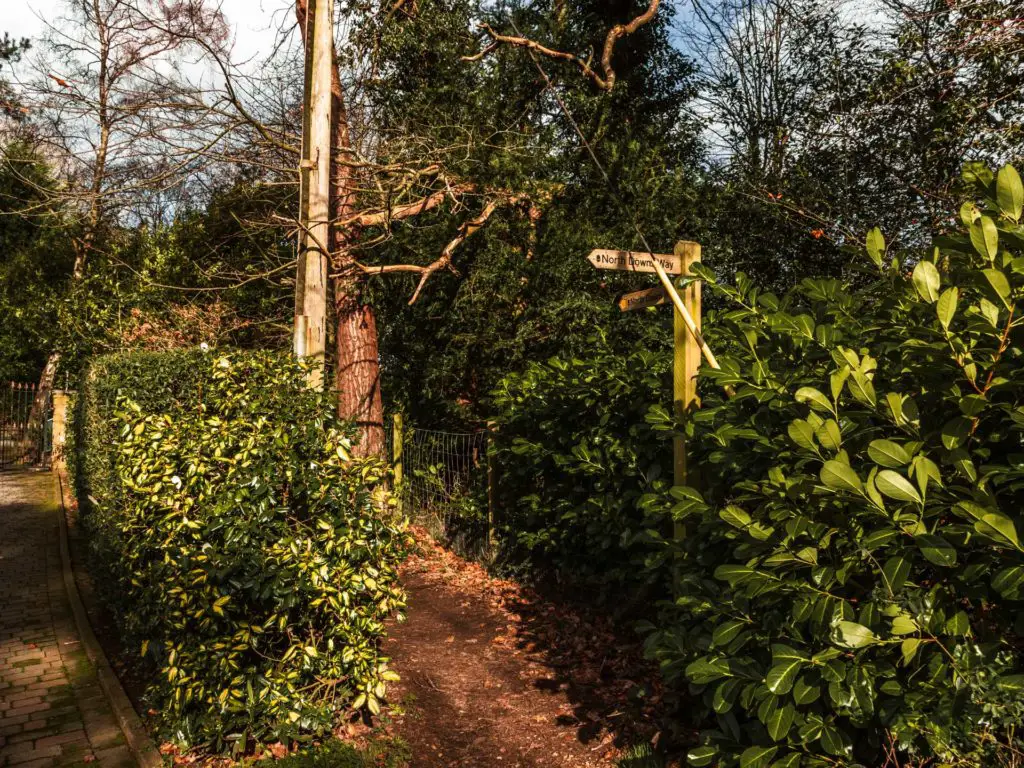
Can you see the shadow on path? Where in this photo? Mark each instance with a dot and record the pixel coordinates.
(493, 675)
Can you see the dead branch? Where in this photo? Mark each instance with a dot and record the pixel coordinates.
(617, 32)
(384, 216)
(444, 261)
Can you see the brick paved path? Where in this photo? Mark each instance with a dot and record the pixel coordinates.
(52, 709)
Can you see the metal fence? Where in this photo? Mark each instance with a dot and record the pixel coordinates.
(445, 484)
(26, 424)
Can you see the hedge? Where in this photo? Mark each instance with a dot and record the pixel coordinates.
(849, 583)
(852, 575)
(246, 555)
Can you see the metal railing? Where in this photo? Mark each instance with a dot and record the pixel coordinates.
(445, 483)
(26, 420)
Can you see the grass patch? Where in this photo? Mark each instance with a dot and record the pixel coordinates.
(641, 756)
(380, 753)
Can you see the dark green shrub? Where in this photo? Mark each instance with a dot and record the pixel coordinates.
(245, 553)
(575, 455)
(852, 579)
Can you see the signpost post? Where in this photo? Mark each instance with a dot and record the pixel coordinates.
(689, 343)
(686, 365)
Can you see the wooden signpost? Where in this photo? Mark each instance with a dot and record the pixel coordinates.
(689, 343)
(652, 297)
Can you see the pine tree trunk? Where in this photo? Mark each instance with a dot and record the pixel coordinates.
(357, 367)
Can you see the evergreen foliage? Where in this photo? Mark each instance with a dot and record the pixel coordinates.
(247, 557)
(846, 586)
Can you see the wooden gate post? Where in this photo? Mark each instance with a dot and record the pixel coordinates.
(397, 449)
(686, 364)
(60, 425)
(492, 489)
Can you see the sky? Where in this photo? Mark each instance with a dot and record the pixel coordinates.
(253, 21)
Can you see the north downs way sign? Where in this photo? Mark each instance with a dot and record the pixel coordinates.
(632, 261)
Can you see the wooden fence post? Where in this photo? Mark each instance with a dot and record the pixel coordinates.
(397, 449)
(686, 364)
(60, 425)
(492, 489)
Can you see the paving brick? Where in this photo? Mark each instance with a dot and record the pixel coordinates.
(118, 757)
(29, 709)
(52, 710)
(41, 763)
(64, 738)
(24, 753)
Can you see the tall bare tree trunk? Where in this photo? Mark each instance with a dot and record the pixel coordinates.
(92, 223)
(357, 359)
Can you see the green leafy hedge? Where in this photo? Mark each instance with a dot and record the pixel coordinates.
(246, 554)
(850, 586)
(575, 455)
(851, 582)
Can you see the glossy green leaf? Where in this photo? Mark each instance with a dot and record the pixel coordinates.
(876, 246)
(955, 432)
(896, 571)
(1013, 683)
(854, 635)
(814, 398)
(936, 549)
(726, 632)
(1009, 192)
(829, 436)
(735, 516)
(985, 237)
(999, 284)
(804, 693)
(725, 695)
(833, 742)
(904, 625)
(908, 650)
(886, 453)
(946, 306)
(896, 486)
(802, 433)
(702, 756)
(708, 669)
(757, 757)
(840, 477)
(1009, 582)
(782, 675)
(991, 523)
(780, 722)
(927, 281)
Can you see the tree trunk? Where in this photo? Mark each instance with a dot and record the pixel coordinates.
(357, 366)
(357, 362)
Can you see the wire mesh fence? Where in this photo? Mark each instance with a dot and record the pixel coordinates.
(25, 424)
(445, 484)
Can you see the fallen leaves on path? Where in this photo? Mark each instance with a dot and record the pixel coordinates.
(487, 661)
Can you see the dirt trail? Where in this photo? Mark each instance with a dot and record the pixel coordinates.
(492, 677)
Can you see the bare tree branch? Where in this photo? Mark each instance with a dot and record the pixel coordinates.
(605, 83)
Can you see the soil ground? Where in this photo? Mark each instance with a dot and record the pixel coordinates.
(493, 675)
